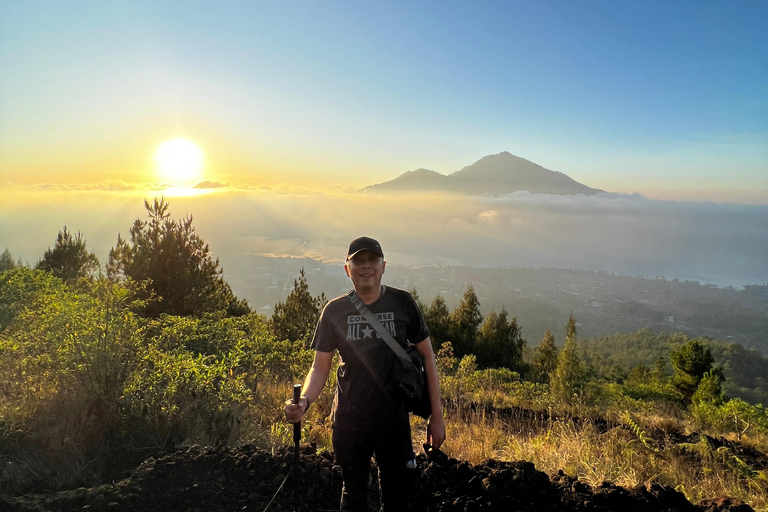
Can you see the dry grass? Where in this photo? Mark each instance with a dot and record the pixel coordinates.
(268, 430)
(624, 455)
(63, 447)
(618, 456)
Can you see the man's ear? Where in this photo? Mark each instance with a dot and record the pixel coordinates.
(346, 269)
(384, 267)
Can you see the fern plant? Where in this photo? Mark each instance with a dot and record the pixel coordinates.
(639, 432)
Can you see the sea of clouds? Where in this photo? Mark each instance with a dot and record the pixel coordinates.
(723, 244)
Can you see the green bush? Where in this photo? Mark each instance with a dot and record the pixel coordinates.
(20, 287)
(59, 338)
(187, 397)
(199, 376)
(85, 380)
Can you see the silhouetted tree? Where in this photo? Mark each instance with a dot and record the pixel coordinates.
(170, 257)
(499, 342)
(295, 319)
(438, 321)
(464, 322)
(415, 294)
(69, 258)
(6, 261)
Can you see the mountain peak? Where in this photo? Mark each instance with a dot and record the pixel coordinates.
(497, 174)
(420, 179)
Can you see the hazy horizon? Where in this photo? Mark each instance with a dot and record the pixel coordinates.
(722, 244)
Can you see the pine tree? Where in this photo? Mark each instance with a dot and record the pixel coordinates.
(446, 360)
(295, 319)
(545, 359)
(464, 322)
(691, 362)
(437, 317)
(659, 375)
(567, 379)
(710, 388)
(415, 294)
(175, 264)
(69, 258)
(499, 342)
(6, 261)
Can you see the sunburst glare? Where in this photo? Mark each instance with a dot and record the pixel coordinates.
(179, 161)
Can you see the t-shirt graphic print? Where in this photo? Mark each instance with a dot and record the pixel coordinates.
(358, 327)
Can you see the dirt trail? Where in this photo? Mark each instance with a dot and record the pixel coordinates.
(246, 479)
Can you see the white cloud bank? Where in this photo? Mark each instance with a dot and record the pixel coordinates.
(722, 244)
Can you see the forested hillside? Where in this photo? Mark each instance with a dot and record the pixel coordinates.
(745, 370)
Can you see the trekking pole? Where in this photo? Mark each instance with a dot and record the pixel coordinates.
(296, 439)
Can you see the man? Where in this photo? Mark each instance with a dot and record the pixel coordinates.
(366, 419)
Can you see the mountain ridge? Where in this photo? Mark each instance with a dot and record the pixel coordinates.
(501, 173)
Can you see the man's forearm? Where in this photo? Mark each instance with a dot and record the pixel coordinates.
(433, 383)
(434, 386)
(317, 376)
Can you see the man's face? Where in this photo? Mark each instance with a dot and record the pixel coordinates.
(365, 269)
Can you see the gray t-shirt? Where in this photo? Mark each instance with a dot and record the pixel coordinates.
(362, 400)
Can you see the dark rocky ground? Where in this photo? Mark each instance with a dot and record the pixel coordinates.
(246, 479)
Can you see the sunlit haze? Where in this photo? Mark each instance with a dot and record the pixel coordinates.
(264, 119)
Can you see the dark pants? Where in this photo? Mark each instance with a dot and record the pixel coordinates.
(392, 447)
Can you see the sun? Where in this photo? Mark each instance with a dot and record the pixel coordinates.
(179, 161)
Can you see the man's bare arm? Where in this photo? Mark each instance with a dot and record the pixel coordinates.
(436, 425)
(313, 385)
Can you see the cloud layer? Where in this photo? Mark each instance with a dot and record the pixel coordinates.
(722, 244)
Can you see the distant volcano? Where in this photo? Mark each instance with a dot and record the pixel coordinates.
(494, 174)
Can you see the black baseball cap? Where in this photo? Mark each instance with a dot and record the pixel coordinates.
(364, 243)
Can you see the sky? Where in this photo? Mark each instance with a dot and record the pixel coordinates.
(291, 104)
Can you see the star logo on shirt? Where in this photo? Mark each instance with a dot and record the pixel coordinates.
(367, 332)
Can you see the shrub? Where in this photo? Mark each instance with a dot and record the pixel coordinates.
(187, 397)
(62, 338)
